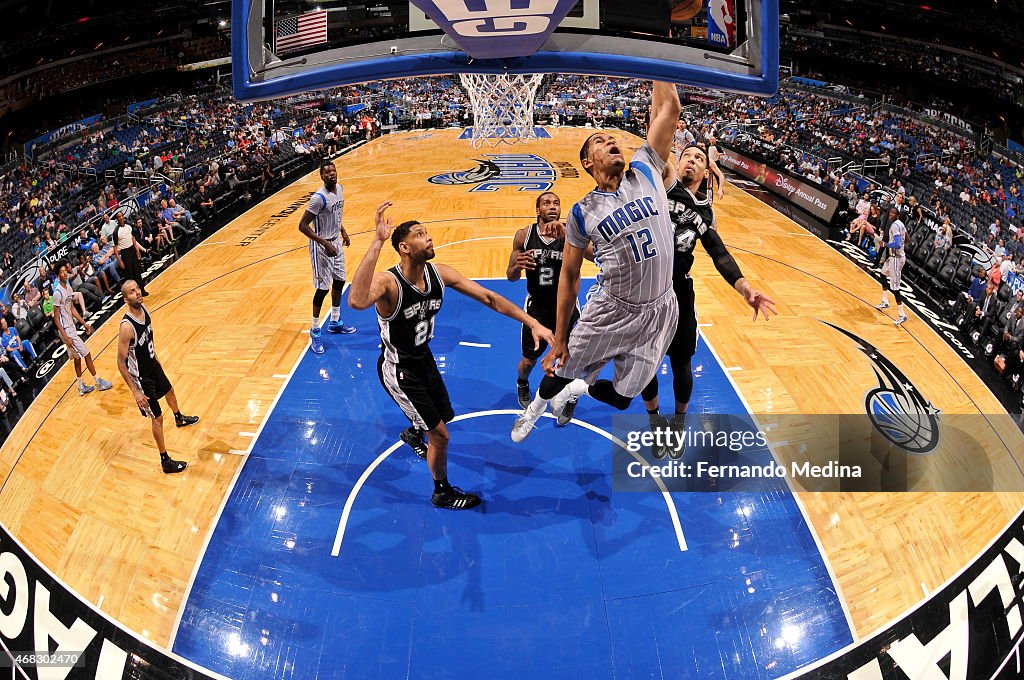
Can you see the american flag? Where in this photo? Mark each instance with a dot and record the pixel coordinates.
(294, 33)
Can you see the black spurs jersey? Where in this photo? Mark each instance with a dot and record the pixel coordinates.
(694, 219)
(142, 361)
(406, 334)
(542, 280)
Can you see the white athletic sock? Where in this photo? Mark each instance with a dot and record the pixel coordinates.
(903, 312)
(885, 297)
(316, 323)
(539, 404)
(80, 381)
(335, 313)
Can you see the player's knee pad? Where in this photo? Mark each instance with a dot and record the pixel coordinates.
(896, 294)
(319, 296)
(337, 286)
(651, 391)
(551, 385)
(603, 390)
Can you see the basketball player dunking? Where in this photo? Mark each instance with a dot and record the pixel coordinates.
(694, 219)
(407, 298)
(326, 237)
(541, 258)
(139, 366)
(632, 318)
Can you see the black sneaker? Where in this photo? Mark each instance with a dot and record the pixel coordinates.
(678, 426)
(171, 466)
(658, 422)
(184, 421)
(565, 416)
(523, 392)
(455, 499)
(414, 438)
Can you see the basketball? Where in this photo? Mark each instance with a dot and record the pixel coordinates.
(684, 10)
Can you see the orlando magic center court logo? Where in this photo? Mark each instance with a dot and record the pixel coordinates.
(896, 408)
(524, 171)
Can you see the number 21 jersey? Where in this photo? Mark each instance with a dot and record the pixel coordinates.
(405, 335)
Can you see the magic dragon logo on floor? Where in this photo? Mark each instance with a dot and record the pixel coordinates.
(525, 171)
(896, 408)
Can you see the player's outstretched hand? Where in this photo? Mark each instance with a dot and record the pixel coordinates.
(542, 333)
(552, 230)
(383, 223)
(556, 356)
(761, 303)
(524, 260)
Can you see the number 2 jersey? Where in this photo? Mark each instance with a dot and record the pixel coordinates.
(631, 231)
(542, 280)
(405, 335)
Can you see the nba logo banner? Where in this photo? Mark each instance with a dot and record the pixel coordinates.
(722, 23)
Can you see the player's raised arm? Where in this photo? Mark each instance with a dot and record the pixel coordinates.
(367, 287)
(665, 108)
(472, 289)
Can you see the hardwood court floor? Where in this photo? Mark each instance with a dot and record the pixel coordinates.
(84, 493)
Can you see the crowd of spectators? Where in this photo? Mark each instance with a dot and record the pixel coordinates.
(37, 85)
(950, 66)
(167, 176)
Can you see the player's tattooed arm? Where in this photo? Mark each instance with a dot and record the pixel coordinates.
(520, 259)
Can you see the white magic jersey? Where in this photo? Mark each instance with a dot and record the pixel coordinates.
(631, 231)
(327, 209)
(62, 300)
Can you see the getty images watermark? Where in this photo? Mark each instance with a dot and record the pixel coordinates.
(669, 443)
(721, 453)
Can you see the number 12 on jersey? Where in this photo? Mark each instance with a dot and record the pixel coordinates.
(640, 243)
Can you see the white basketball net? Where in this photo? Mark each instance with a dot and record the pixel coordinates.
(502, 107)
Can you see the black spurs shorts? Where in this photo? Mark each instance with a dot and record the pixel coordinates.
(417, 388)
(155, 386)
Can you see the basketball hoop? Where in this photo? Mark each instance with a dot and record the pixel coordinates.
(502, 107)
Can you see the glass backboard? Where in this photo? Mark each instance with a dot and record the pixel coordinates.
(281, 47)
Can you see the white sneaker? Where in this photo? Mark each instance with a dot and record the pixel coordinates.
(571, 391)
(884, 305)
(903, 318)
(525, 423)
